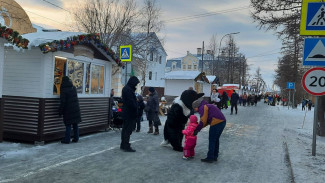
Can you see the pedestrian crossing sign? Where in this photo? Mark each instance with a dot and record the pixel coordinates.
(312, 18)
(126, 53)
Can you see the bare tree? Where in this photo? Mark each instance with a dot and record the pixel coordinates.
(110, 18)
(149, 22)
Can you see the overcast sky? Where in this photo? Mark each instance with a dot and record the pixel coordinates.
(260, 47)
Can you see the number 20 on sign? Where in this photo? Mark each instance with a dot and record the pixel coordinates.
(313, 81)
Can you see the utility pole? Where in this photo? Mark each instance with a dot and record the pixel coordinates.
(202, 56)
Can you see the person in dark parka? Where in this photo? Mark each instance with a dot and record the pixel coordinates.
(141, 107)
(129, 113)
(69, 108)
(177, 118)
(152, 109)
(233, 101)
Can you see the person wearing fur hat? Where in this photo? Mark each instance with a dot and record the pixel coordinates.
(152, 109)
(210, 115)
(129, 113)
(177, 117)
(69, 108)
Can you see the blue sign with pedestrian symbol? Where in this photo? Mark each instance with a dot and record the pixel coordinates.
(314, 52)
(312, 17)
(290, 85)
(126, 53)
(315, 16)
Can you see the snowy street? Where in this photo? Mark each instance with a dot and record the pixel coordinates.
(259, 144)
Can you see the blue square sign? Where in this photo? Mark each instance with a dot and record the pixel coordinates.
(290, 85)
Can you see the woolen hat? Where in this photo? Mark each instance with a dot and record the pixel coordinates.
(152, 89)
(197, 103)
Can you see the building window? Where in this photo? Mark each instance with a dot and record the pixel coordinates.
(195, 67)
(151, 56)
(189, 67)
(156, 76)
(59, 72)
(160, 57)
(76, 74)
(97, 79)
(86, 77)
(184, 67)
(150, 75)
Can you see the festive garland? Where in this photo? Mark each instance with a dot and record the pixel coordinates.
(13, 37)
(79, 40)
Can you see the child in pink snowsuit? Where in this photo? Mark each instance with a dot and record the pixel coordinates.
(190, 139)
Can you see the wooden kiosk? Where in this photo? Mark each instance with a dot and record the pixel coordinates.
(30, 79)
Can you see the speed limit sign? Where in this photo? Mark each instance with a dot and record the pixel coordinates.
(313, 81)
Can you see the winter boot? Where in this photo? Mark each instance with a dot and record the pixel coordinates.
(150, 129)
(156, 131)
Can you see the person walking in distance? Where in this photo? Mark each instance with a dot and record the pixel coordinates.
(129, 113)
(152, 109)
(69, 108)
(233, 101)
(190, 139)
(244, 99)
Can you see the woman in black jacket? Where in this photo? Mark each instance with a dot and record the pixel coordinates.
(152, 110)
(69, 108)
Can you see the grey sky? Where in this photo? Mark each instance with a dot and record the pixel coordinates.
(260, 47)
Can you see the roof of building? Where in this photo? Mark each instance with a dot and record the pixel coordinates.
(182, 75)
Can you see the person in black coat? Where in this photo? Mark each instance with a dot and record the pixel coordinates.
(129, 113)
(224, 100)
(177, 118)
(233, 101)
(69, 108)
(152, 109)
(141, 106)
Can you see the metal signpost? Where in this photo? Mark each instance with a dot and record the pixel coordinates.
(313, 82)
(313, 24)
(126, 56)
(290, 86)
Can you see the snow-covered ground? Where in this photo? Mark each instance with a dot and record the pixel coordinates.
(260, 144)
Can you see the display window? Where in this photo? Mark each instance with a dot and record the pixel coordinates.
(76, 74)
(88, 78)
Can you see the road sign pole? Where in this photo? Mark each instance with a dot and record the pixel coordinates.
(126, 73)
(315, 126)
(293, 100)
(289, 99)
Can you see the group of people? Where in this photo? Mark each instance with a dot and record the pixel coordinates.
(180, 114)
(306, 103)
(222, 101)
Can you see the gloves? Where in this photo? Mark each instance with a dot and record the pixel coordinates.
(195, 132)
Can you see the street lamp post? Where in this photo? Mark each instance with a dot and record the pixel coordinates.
(220, 46)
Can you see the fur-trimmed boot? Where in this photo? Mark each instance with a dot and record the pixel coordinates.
(150, 129)
(156, 131)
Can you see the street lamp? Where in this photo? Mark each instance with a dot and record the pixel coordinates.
(220, 45)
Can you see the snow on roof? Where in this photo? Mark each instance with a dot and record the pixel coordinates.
(211, 78)
(47, 35)
(182, 74)
(231, 85)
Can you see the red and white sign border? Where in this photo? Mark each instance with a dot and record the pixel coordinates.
(304, 77)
